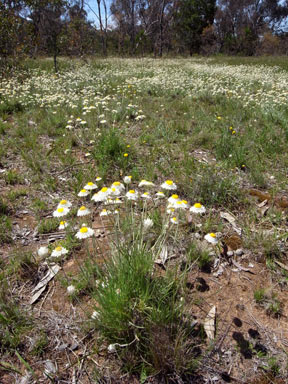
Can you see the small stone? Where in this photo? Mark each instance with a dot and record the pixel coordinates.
(230, 253)
(239, 252)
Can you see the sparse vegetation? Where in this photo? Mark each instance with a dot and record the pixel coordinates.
(136, 277)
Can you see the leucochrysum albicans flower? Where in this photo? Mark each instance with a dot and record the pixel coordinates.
(63, 225)
(112, 201)
(64, 204)
(83, 193)
(173, 200)
(211, 238)
(59, 251)
(101, 195)
(198, 208)
(60, 212)
(104, 212)
(83, 211)
(84, 232)
(146, 195)
(43, 251)
(118, 186)
(127, 179)
(132, 195)
(160, 195)
(145, 183)
(181, 204)
(71, 289)
(169, 185)
(90, 186)
(174, 220)
(147, 223)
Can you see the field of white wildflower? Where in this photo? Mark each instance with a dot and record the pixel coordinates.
(143, 222)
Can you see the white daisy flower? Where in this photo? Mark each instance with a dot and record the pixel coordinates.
(115, 192)
(60, 212)
(63, 225)
(147, 223)
(145, 183)
(43, 251)
(104, 212)
(211, 238)
(118, 186)
(98, 178)
(102, 195)
(59, 251)
(169, 185)
(132, 195)
(160, 194)
(198, 208)
(170, 209)
(127, 179)
(83, 193)
(64, 204)
(182, 204)
(173, 200)
(90, 186)
(84, 233)
(146, 195)
(83, 211)
(174, 220)
(113, 201)
(71, 289)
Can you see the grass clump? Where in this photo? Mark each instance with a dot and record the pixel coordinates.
(110, 152)
(14, 322)
(12, 177)
(140, 314)
(48, 225)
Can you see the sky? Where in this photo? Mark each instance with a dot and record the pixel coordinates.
(93, 5)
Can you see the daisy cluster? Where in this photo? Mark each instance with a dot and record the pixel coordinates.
(89, 88)
(108, 200)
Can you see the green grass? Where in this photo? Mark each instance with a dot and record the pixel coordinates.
(199, 130)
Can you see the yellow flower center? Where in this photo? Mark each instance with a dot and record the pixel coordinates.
(60, 210)
(213, 235)
(82, 208)
(174, 219)
(197, 205)
(132, 191)
(128, 146)
(146, 193)
(84, 230)
(125, 154)
(62, 222)
(83, 190)
(184, 202)
(58, 249)
(169, 182)
(63, 202)
(104, 210)
(179, 202)
(130, 177)
(104, 189)
(116, 183)
(90, 183)
(175, 196)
